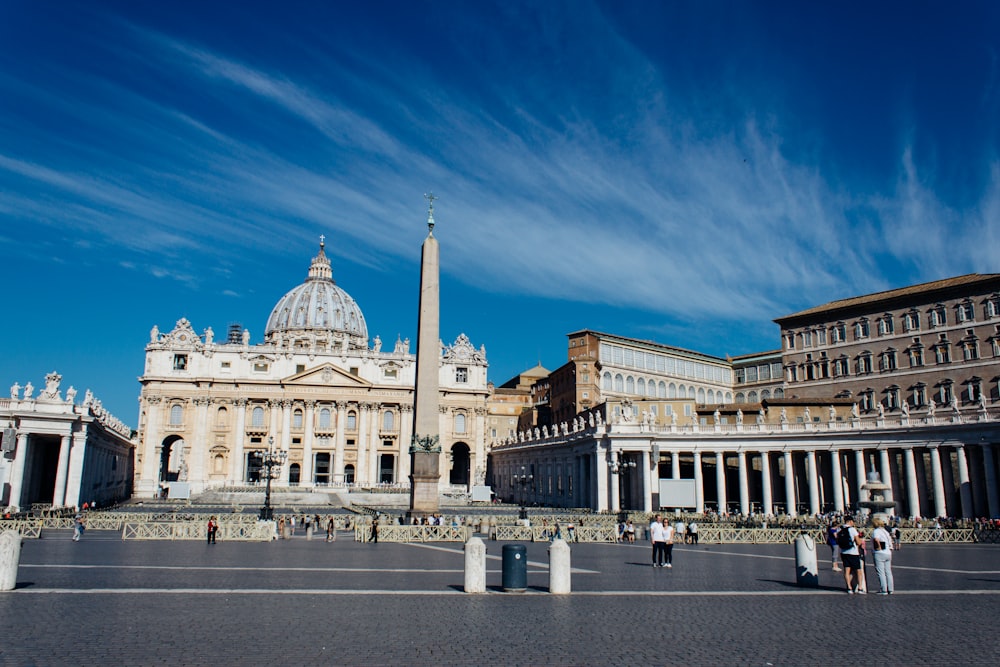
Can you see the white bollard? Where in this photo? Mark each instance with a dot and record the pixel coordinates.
(559, 567)
(806, 569)
(10, 556)
(475, 566)
(309, 532)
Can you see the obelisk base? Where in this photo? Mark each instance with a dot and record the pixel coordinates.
(424, 476)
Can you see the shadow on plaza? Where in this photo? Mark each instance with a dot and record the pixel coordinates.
(794, 584)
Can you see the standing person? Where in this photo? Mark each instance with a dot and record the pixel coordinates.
(831, 539)
(848, 539)
(331, 530)
(897, 533)
(281, 527)
(658, 540)
(680, 531)
(882, 555)
(668, 543)
(693, 532)
(78, 528)
(862, 556)
(630, 531)
(374, 534)
(213, 528)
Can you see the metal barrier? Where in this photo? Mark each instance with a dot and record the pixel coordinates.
(397, 533)
(262, 531)
(28, 528)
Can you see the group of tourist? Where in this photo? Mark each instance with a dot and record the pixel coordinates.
(849, 542)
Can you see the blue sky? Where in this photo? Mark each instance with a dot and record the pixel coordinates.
(679, 172)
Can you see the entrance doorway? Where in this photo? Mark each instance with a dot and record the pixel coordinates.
(459, 464)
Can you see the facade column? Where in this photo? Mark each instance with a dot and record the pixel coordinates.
(59, 492)
(361, 471)
(699, 485)
(17, 471)
(198, 473)
(992, 498)
(149, 465)
(285, 441)
(813, 481)
(614, 497)
(650, 478)
(886, 468)
(340, 436)
(862, 475)
(601, 472)
(964, 487)
(741, 456)
(720, 482)
(675, 465)
(374, 458)
(765, 473)
(912, 493)
(237, 467)
(791, 503)
(405, 436)
(306, 478)
(937, 479)
(477, 466)
(838, 482)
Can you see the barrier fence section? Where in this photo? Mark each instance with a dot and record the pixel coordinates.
(262, 531)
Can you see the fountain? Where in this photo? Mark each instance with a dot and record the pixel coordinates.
(878, 504)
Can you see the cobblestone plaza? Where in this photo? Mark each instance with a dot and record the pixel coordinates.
(105, 601)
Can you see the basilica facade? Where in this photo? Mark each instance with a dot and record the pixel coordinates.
(317, 389)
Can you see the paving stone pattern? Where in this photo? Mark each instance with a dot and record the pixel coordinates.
(107, 602)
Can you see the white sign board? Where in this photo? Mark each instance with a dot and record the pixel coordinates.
(677, 493)
(482, 494)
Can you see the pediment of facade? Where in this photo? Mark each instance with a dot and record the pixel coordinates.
(326, 375)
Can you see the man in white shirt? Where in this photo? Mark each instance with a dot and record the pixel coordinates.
(850, 555)
(658, 539)
(668, 546)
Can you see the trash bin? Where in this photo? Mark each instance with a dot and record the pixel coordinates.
(806, 569)
(515, 567)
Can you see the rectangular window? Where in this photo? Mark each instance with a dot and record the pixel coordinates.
(461, 375)
(226, 365)
(260, 366)
(390, 373)
(807, 339)
(586, 394)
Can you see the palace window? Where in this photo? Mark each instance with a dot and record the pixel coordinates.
(992, 306)
(661, 389)
(790, 340)
(885, 325)
(180, 362)
(461, 375)
(945, 392)
(260, 367)
(176, 415)
(937, 316)
(619, 383)
(324, 418)
(892, 397)
(388, 420)
(916, 354)
(970, 350)
(352, 421)
(864, 363)
(965, 311)
(911, 321)
(807, 339)
(841, 366)
(887, 360)
(606, 381)
(460, 423)
(630, 385)
(257, 417)
(919, 395)
(641, 387)
(297, 419)
(867, 402)
(861, 329)
(838, 332)
(942, 351)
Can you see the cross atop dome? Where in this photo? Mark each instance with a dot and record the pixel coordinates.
(430, 210)
(320, 267)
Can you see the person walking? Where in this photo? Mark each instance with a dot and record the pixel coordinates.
(331, 530)
(658, 540)
(693, 533)
(374, 534)
(213, 528)
(78, 527)
(831, 539)
(882, 555)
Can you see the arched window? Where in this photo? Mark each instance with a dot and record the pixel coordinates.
(682, 391)
(740, 398)
(630, 385)
(651, 389)
(349, 473)
(460, 423)
(779, 393)
(257, 417)
(221, 417)
(765, 394)
(619, 382)
(219, 464)
(701, 395)
(388, 420)
(729, 397)
(672, 391)
(661, 389)
(324, 418)
(641, 387)
(176, 415)
(352, 421)
(690, 392)
(752, 397)
(297, 419)
(606, 381)
(711, 396)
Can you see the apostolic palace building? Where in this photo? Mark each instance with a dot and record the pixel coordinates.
(903, 383)
(317, 388)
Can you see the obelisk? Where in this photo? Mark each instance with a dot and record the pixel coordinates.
(425, 448)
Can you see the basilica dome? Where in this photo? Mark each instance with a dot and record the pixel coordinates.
(317, 311)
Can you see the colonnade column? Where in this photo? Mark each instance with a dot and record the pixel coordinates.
(199, 463)
(765, 471)
(859, 466)
(886, 472)
(937, 480)
(361, 467)
(237, 474)
(741, 457)
(59, 492)
(307, 445)
(17, 470)
(675, 465)
(651, 475)
(838, 482)
(599, 469)
(791, 506)
(699, 485)
(813, 481)
(964, 487)
(149, 466)
(74, 474)
(286, 438)
(720, 481)
(991, 482)
(912, 495)
(614, 485)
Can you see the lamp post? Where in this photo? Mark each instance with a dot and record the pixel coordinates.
(523, 480)
(621, 467)
(271, 462)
